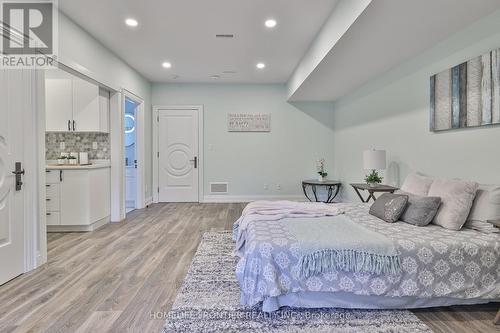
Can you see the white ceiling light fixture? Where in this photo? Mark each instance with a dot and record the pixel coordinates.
(166, 64)
(270, 23)
(131, 22)
(261, 65)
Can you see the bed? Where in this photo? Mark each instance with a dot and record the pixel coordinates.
(438, 267)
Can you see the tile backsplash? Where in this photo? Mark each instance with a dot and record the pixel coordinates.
(77, 142)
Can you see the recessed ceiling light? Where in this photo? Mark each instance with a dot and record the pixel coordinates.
(131, 22)
(270, 23)
(166, 64)
(261, 65)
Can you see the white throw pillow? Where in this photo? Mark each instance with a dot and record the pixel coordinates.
(457, 197)
(485, 209)
(486, 206)
(417, 184)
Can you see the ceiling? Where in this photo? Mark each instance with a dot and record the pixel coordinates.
(386, 34)
(183, 33)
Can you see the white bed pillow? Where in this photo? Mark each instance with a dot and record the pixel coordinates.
(457, 197)
(485, 209)
(417, 184)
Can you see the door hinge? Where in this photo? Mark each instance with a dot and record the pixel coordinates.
(158, 154)
(158, 189)
(158, 118)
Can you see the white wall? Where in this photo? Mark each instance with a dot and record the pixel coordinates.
(284, 156)
(82, 52)
(392, 113)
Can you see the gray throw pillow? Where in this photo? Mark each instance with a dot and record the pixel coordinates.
(389, 207)
(420, 210)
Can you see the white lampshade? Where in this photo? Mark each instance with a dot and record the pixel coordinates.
(374, 159)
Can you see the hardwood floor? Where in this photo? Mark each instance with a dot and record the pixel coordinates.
(119, 277)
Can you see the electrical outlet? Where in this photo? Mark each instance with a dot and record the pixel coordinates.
(62, 145)
(266, 187)
(94, 145)
(278, 187)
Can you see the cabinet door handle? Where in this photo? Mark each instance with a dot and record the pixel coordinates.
(47, 185)
(48, 214)
(69, 125)
(60, 176)
(47, 199)
(74, 125)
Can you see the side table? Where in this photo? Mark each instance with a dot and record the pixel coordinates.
(332, 186)
(372, 189)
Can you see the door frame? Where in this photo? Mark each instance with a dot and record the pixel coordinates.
(118, 197)
(140, 196)
(156, 160)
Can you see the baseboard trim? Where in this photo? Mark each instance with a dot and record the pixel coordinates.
(79, 228)
(249, 198)
(148, 201)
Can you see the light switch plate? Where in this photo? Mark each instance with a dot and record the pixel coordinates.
(94, 145)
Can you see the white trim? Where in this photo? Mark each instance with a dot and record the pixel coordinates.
(79, 228)
(140, 201)
(249, 198)
(35, 238)
(41, 248)
(201, 147)
(117, 157)
(149, 201)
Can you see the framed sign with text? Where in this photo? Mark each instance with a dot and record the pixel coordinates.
(249, 122)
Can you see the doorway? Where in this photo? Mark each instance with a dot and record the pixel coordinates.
(178, 140)
(130, 140)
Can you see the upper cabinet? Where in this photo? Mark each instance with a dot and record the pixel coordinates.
(74, 104)
(58, 101)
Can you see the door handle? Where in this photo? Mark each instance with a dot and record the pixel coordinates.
(74, 125)
(19, 172)
(69, 125)
(195, 160)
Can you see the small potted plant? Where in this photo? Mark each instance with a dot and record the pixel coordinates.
(373, 178)
(72, 160)
(320, 166)
(62, 160)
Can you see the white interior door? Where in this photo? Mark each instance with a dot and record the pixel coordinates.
(12, 100)
(178, 160)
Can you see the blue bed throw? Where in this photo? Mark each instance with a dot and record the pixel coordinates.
(335, 243)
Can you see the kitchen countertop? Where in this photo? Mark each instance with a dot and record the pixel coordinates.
(52, 165)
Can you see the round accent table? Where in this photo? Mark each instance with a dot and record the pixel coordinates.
(332, 187)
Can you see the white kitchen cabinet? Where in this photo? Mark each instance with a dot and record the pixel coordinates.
(58, 101)
(75, 197)
(78, 200)
(86, 115)
(104, 99)
(74, 104)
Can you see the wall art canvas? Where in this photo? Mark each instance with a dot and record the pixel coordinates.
(249, 122)
(467, 95)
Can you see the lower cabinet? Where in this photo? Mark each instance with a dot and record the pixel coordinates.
(77, 200)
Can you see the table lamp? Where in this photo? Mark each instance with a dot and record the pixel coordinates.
(374, 160)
